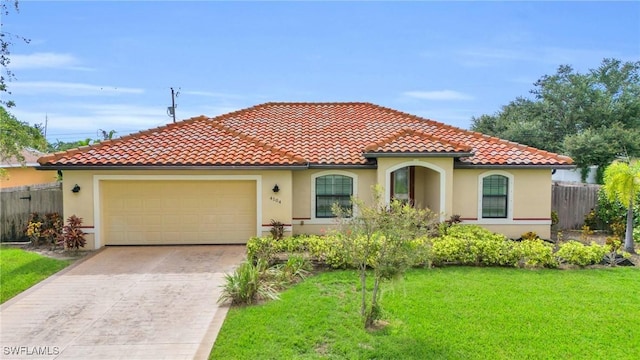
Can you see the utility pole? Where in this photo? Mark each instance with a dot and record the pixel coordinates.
(171, 110)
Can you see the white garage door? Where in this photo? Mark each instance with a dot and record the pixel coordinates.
(178, 212)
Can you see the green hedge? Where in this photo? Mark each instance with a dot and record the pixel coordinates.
(459, 244)
(575, 253)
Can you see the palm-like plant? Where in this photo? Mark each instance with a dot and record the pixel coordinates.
(622, 183)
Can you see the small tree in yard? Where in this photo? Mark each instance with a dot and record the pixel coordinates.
(622, 183)
(379, 237)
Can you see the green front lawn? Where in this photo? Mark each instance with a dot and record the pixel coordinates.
(19, 270)
(447, 313)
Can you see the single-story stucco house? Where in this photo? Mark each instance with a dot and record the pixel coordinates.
(223, 179)
(16, 173)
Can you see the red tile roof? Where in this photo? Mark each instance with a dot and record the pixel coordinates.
(415, 141)
(291, 134)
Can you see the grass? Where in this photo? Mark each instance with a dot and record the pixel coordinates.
(447, 313)
(19, 270)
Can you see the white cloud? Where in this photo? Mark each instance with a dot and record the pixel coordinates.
(438, 95)
(46, 60)
(71, 121)
(68, 88)
(211, 94)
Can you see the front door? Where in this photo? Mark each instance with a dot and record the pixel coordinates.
(402, 184)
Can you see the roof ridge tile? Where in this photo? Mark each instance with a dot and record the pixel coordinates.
(414, 132)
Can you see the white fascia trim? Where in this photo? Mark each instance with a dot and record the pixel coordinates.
(326, 221)
(510, 192)
(415, 162)
(96, 194)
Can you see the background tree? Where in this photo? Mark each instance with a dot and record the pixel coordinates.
(16, 135)
(6, 40)
(59, 145)
(593, 117)
(622, 183)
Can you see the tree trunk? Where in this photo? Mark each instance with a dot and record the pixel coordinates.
(628, 238)
(373, 312)
(363, 284)
(374, 296)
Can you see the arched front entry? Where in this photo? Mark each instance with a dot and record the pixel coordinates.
(420, 183)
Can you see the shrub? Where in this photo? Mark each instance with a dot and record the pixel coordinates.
(72, 236)
(45, 229)
(246, 285)
(260, 249)
(608, 212)
(277, 229)
(449, 249)
(535, 253)
(472, 245)
(422, 249)
(530, 235)
(618, 228)
(328, 249)
(585, 232)
(453, 219)
(615, 255)
(52, 228)
(295, 268)
(34, 231)
(576, 253)
(636, 234)
(591, 220)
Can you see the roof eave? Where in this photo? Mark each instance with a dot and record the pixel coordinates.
(512, 166)
(343, 166)
(19, 165)
(370, 155)
(173, 167)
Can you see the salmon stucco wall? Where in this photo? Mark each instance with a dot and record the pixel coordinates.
(21, 176)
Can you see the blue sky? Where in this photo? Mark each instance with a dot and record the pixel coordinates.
(109, 65)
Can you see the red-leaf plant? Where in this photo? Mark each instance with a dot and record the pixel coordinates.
(72, 235)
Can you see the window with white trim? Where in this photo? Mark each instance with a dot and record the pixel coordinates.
(495, 197)
(332, 189)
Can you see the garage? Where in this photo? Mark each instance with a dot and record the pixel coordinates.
(168, 212)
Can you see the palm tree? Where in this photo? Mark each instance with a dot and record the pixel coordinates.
(622, 183)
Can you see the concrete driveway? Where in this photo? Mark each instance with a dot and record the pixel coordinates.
(155, 302)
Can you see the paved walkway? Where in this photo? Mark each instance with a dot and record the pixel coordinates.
(156, 302)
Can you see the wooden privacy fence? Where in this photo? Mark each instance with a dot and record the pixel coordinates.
(572, 202)
(17, 204)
